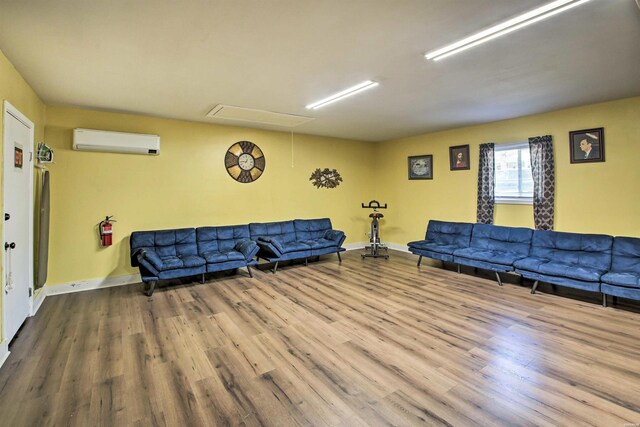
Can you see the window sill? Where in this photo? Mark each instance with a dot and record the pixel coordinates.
(514, 201)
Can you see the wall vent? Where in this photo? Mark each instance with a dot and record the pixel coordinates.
(230, 112)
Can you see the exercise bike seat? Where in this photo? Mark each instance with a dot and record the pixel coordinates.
(376, 215)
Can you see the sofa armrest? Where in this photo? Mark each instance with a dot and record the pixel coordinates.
(247, 247)
(144, 264)
(269, 247)
(272, 243)
(149, 258)
(335, 235)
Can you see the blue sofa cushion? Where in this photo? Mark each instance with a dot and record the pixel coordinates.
(592, 251)
(562, 281)
(431, 254)
(214, 257)
(552, 268)
(311, 229)
(433, 247)
(626, 279)
(319, 243)
(282, 231)
(492, 256)
(449, 233)
(512, 240)
(626, 254)
(621, 291)
(165, 263)
(220, 239)
(294, 247)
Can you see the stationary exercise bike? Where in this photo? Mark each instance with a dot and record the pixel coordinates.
(374, 237)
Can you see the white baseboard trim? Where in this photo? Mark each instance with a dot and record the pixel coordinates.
(354, 246)
(362, 245)
(87, 285)
(398, 247)
(38, 300)
(4, 352)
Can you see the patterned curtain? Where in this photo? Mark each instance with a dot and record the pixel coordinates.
(486, 184)
(544, 181)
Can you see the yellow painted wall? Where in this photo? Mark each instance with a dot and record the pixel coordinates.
(590, 198)
(17, 91)
(187, 186)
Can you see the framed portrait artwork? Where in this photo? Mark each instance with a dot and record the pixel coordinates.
(587, 145)
(421, 167)
(459, 158)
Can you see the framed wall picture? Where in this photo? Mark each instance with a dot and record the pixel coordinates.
(421, 167)
(587, 146)
(459, 158)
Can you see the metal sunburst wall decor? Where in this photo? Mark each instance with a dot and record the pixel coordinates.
(327, 178)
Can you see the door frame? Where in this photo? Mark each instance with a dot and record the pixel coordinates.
(9, 109)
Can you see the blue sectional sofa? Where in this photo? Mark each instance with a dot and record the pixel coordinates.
(494, 248)
(297, 239)
(170, 254)
(442, 240)
(623, 278)
(567, 259)
(592, 262)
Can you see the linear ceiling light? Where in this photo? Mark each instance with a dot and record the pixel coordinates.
(341, 95)
(506, 27)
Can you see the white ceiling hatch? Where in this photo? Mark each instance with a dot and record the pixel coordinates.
(166, 58)
(230, 112)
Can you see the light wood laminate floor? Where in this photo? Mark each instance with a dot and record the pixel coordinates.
(369, 342)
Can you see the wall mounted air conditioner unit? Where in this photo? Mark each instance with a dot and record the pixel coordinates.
(115, 142)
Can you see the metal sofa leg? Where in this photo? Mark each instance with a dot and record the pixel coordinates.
(152, 287)
(275, 267)
(339, 258)
(458, 268)
(535, 286)
(499, 280)
(249, 271)
(306, 262)
(202, 278)
(604, 300)
(419, 260)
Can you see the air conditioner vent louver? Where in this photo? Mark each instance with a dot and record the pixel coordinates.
(115, 142)
(229, 112)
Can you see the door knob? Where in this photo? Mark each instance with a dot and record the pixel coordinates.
(8, 245)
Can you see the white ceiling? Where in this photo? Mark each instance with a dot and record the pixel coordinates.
(179, 59)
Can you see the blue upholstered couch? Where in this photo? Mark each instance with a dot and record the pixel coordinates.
(442, 240)
(623, 278)
(494, 248)
(567, 259)
(297, 239)
(170, 254)
(591, 262)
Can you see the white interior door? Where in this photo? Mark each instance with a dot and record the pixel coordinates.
(17, 272)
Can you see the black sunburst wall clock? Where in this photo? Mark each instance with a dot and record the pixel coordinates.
(244, 161)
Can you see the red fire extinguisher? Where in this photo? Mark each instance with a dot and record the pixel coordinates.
(106, 231)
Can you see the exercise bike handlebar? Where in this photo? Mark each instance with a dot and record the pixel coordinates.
(374, 204)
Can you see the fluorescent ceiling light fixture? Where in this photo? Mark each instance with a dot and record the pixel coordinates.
(506, 27)
(343, 94)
